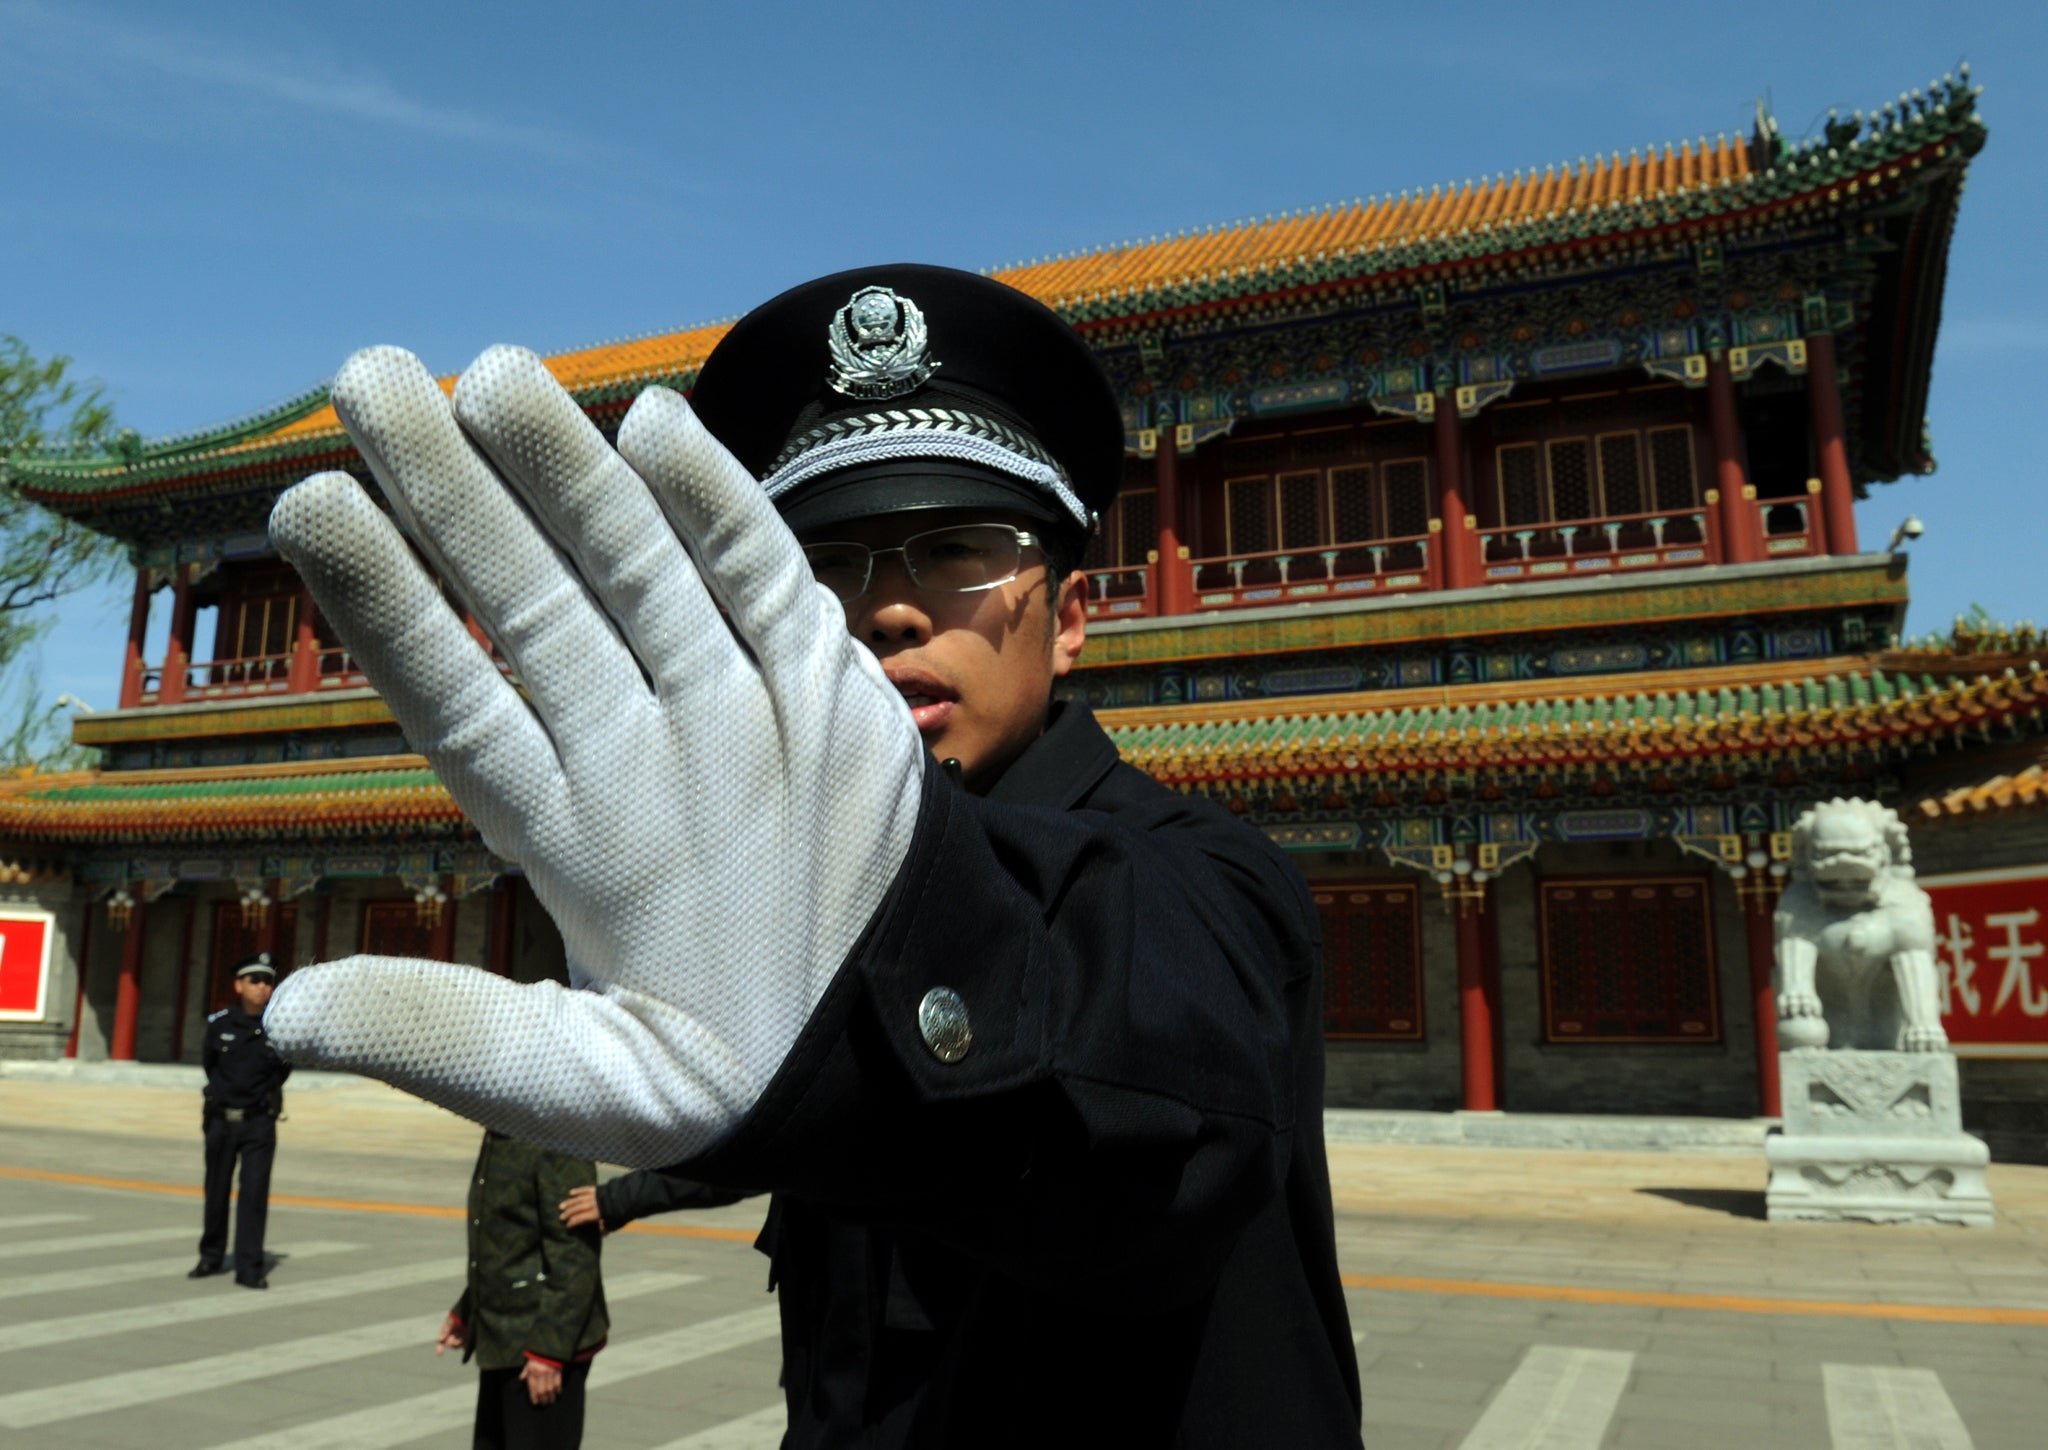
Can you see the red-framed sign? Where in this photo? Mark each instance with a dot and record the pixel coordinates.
(1991, 944)
(25, 940)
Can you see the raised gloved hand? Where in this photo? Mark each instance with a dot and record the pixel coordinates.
(711, 808)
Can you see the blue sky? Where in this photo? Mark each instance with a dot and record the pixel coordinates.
(210, 205)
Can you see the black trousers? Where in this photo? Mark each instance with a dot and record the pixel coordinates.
(507, 1418)
(254, 1142)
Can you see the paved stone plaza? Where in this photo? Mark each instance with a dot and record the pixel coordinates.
(1502, 1297)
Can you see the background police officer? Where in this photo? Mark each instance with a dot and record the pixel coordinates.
(244, 1095)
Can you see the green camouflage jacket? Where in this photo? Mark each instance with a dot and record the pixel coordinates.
(534, 1286)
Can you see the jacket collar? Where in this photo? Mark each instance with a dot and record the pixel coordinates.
(1063, 765)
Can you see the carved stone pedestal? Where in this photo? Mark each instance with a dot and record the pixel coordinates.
(1875, 1137)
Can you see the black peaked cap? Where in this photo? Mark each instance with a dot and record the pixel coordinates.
(999, 354)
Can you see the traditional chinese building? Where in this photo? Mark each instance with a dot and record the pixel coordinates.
(1490, 548)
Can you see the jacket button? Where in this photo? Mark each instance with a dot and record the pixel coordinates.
(942, 1018)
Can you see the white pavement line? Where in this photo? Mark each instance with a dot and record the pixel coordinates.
(1883, 1407)
(438, 1412)
(220, 1305)
(147, 1386)
(99, 1276)
(85, 1243)
(1557, 1399)
(37, 1220)
(761, 1430)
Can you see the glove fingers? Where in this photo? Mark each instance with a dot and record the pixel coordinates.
(619, 1077)
(449, 697)
(486, 545)
(750, 559)
(596, 507)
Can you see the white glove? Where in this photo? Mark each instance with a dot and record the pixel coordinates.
(710, 808)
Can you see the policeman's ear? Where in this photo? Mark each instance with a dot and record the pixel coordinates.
(1069, 622)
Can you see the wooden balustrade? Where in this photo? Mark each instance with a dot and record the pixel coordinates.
(1658, 540)
(1316, 572)
(1121, 592)
(1789, 527)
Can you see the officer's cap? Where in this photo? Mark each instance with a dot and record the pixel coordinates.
(256, 966)
(888, 389)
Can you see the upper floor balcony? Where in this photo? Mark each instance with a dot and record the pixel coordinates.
(1631, 479)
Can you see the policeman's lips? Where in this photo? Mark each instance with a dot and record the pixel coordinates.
(930, 699)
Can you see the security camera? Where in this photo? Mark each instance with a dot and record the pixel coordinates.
(1912, 528)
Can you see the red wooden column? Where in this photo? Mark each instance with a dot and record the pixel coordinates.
(1174, 591)
(84, 965)
(266, 930)
(1824, 403)
(1756, 921)
(184, 980)
(128, 990)
(1741, 530)
(138, 630)
(504, 922)
(305, 675)
(441, 940)
(1478, 1005)
(178, 653)
(1460, 543)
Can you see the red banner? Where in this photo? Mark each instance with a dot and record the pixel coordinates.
(1991, 945)
(24, 965)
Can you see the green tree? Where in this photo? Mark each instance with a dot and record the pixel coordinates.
(43, 556)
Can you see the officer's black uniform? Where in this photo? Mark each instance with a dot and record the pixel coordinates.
(1048, 1156)
(244, 1095)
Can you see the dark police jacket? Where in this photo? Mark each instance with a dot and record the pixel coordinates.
(242, 1069)
(534, 1289)
(1109, 1222)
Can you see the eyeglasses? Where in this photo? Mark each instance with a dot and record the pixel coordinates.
(959, 560)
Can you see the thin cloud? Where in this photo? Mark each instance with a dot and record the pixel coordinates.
(105, 43)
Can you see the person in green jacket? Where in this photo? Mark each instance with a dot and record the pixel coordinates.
(533, 1311)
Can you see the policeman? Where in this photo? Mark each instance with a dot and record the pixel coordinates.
(1027, 1046)
(244, 1096)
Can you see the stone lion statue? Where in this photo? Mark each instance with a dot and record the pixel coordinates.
(1855, 936)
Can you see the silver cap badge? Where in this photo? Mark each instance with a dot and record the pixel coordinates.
(879, 347)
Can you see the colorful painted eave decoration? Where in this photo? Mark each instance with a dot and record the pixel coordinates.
(205, 805)
(1869, 711)
(1572, 213)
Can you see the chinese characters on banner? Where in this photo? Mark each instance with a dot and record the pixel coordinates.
(1991, 946)
(25, 964)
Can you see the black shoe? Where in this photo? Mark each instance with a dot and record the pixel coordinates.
(205, 1270)
(252, 1281)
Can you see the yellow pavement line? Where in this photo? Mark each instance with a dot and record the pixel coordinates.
(354, 1205)
(1711, 1303)
(1388, 1283)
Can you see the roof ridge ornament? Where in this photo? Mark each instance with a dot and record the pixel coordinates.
(880, 347)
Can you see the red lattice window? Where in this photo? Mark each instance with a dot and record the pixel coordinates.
(1351, 500)
(1621, 473)
(1521, 487)
(1372, 961)
(1571, 480)
(234, 941)
(1128, 533)
(1406, 485)
(1629, 960)
(1301, 512)
(1671, 470)
(1248, 518)
(396, 929)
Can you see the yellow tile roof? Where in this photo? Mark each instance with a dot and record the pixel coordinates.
(2000, 793)
(1210, 252)
(1385, 222)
